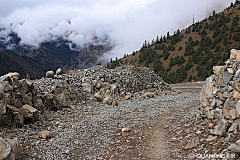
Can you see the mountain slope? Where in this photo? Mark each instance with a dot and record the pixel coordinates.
(191, 53)
(10, 62)
(58, 53)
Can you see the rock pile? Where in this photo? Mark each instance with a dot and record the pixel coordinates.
(17, 97)
(23, 98)
(104, 85)
(221, 98)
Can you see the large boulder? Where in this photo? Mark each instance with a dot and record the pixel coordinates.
(29, 112)
(16, 114)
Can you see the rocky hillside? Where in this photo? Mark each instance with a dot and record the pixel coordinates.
(190, 54)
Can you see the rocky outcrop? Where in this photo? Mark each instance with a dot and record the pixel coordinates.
(220, 99)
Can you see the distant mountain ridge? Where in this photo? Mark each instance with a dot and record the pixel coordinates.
(58, 53)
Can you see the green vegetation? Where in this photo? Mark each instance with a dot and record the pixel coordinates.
(190, 54)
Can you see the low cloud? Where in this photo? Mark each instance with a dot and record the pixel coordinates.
(126, 24)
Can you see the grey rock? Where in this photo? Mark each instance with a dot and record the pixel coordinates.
(59, 71)
(29, 112)
(2, 107)
(15, 148)
(211, 139)
(5, 149)
(234, 148)
(49, 74)
(192, 143)
(10, 75)
(227, 77)
(238, 107)
(233, 127)
(221, 127)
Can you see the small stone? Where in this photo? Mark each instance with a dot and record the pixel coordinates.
(230, 70)
(49, 74)
(59, 71)
(237, 75)
(114, 88)
(86, 87)
(221, 127)
(45, 134)
(192, 143)
(115, 103)
(233, 127)
(238, 107)
(234, 148)
(236, 94)
(211, 139)
(125, 129)
(127, 97)
(150, 95)
(210, 125)
(226, 139)
(233, 54)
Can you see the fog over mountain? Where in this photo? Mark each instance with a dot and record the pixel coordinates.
(125, 24)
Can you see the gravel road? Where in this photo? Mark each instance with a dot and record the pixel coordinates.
(93, 131)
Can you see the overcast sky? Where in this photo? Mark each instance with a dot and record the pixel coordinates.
(127, 23)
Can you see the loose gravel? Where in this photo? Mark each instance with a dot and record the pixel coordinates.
(93, 131)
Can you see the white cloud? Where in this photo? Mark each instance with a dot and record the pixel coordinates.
(126, 22)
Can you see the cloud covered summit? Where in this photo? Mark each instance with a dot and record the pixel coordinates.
(125, 24)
